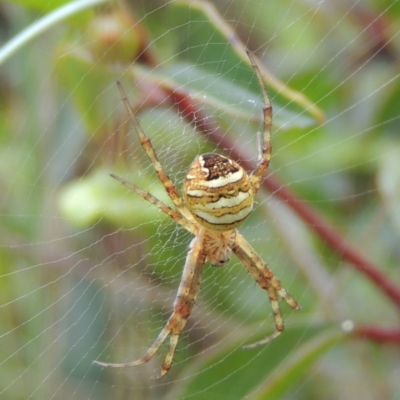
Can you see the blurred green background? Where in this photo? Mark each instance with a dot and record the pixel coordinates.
(88, 270)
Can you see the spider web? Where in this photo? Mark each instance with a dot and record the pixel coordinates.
(89, 271)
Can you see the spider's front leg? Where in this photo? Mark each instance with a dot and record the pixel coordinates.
(186, 296)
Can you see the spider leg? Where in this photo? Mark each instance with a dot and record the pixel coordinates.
(176, 216)
(148, 148)
(267, 281)
(186, 296)
(264, 147)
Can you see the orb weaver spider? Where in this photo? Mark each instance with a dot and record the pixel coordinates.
(217, 197)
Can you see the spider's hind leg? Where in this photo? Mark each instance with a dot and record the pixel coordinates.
(267, 281)
(274, 290)
(276, 284)
(279, 326)
(187, 293)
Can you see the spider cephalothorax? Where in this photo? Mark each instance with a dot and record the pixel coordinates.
(218, 245)
(218, 197)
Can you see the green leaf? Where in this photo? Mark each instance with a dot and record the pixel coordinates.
(239, 98)
(265, 372)
(297, 364)
(88, 86)
(97, 196)
(203, 38)
(40, 5)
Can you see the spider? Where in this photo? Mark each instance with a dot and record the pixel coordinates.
(217, 197)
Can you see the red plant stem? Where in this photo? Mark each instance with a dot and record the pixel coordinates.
(376, 27)
(329, 234)
(380, 335)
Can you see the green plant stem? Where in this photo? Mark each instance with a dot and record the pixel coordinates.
(43, 25)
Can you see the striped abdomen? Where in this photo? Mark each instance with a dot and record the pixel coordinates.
(218, 192)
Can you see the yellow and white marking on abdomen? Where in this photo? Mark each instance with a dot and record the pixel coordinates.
(218, 192)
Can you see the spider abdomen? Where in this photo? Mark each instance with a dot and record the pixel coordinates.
(218, 192)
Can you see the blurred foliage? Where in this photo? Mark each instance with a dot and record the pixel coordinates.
(88, 270)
